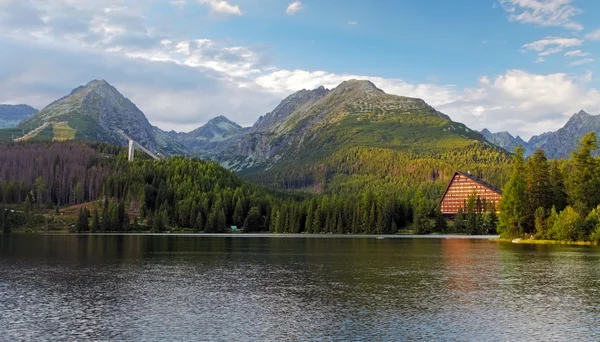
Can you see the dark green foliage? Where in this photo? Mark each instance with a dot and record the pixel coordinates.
(441, 224)
(511, 221)
(539, 188)
(585, 183)
(95, 225)
(83, 221)
(548, 209)
(253, 222)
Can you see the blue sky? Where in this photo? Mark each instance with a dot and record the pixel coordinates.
(519, 65)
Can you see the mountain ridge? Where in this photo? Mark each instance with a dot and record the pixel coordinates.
(557, 144)
(12, 115)
(97, 111)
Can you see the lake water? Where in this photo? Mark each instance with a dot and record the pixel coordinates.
(257, 288)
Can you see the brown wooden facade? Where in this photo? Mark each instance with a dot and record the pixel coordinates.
(461, 187)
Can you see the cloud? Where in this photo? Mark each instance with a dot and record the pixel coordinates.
(543, 12)
(517, 101)
(222, 7)
(352, 23)
(540, 60)
(178, 3)
(576, 53)
(551, 45)
(181, 82)
(595, 35)
(294, 7)
(582, 61)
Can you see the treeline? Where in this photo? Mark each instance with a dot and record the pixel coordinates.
(46, 174)
(556, 200)
(195, 195)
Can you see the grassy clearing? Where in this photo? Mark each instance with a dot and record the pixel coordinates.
(62, 132)
(47, 134)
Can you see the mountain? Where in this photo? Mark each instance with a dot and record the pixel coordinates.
(96, 112)
(209, 138)
(12, 115)
(314, 136)
(557, 144)
(505, 140)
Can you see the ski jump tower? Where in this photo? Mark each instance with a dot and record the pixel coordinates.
(133, 145)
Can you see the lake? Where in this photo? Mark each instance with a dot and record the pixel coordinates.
(280, 288)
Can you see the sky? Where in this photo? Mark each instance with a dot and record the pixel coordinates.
(524, 66)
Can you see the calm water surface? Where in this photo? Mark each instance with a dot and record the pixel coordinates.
(181, 288)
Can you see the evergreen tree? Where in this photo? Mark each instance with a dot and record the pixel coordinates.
(95, 226)
(585, 190)
(253, 220)
(459, 221)
(5, 222)
(513, 203)
(441, 224)
(559, 193)
(82, 221)
(238, 214)
(199, 222)
(541, 223)
(539, 188)
(471, 216)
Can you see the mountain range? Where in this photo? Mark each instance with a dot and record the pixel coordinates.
(12, 115)
(354, 134)
(314, 138)
(558, 144)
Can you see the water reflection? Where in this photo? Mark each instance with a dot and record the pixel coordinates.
(203, 288)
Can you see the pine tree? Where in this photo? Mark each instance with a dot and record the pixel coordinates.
(585, 189)
(82, 221)
(459, 221)
(253, 220)
(95, 226)
(513, 203)
(238, 214)
(539, 188)
(441, 225)
(199, 222)
(559, 193)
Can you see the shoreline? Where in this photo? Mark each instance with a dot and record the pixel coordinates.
(544, 242)
(270, 235)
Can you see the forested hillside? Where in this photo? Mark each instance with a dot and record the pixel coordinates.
(43, 180)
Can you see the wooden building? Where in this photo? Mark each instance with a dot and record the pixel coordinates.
(464, 185)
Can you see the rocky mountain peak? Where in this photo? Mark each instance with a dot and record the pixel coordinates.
(359, 86)
(579, 119)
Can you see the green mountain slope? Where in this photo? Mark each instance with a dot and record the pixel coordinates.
(356, 133)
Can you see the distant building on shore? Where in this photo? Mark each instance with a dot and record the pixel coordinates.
(464, 185)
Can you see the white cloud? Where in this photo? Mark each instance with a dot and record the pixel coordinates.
(180, 83)
(543, 12)
(352, 23)
(551, 45)
(178, 3)
(583, 61)
(294, 7)
(576, 53)
(540, 60)
(517, 101)
(222, 7)
(595, 35)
